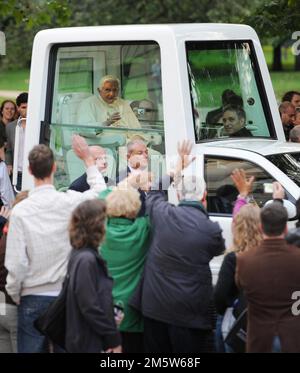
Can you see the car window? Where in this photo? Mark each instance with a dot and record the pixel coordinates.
(227, 93)
(221, 190)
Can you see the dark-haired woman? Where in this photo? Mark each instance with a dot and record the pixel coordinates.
(90, 321)
(8, 111)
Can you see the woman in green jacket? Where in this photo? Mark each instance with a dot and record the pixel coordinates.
(125, 249)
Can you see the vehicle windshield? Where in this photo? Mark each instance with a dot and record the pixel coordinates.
(289, 163)
(110, 94)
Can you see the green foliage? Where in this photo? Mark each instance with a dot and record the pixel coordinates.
(233, 11)
(92, 12)
(276, 20)
(38, 13)
(21, 20)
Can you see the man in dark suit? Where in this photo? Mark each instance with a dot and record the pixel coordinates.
(234, 121)
(270, 278)
(214, 117)
(137, 162)
(100, 157)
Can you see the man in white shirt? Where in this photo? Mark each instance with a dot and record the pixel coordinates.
(38, 244)
(21, 101)
(107, 109)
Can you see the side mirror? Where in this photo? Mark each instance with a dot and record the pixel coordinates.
(290, 207)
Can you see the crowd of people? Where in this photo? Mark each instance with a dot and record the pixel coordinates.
(125, 247)
(12, 133)
(289, 111)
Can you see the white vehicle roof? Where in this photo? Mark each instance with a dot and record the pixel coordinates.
(260, 146)
(198, 31)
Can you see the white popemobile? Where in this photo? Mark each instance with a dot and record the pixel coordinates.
(186, 73)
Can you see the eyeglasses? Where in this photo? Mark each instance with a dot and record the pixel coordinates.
(142, 111)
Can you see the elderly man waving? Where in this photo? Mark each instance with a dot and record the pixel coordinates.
(177, 285)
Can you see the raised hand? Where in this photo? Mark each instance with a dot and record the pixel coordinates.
(278, 191)
(243, 183)
(184, 149)
(141, 181)
(5, 212)
(82, 150)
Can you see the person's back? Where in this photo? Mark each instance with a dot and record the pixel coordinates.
(90, 322)
(45, 221)
(85, 331)
(269, 280)
(176, 296)
(38, 243)
(184, 241)
(269, 276)
(124, 249)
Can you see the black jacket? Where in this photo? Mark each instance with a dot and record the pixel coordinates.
(226, 291)
(293, 237)
(177, 284)
(243, 132)
(81, 185)
(90, 320)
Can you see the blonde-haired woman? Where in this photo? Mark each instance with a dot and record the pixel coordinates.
(246, 236)
(245, 228)
(124, 249)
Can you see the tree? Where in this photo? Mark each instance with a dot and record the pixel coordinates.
(275, 21)
(21, 19)
(92, 12)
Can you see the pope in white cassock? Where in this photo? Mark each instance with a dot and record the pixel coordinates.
(107, 109)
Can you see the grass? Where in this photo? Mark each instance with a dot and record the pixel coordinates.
(14, 80)
(285, 81)
(288, 59)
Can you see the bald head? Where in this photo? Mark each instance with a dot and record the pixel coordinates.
(99, 155)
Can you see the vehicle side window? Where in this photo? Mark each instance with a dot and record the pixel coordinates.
(227, 93)
(221, 190)
(111, 94)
